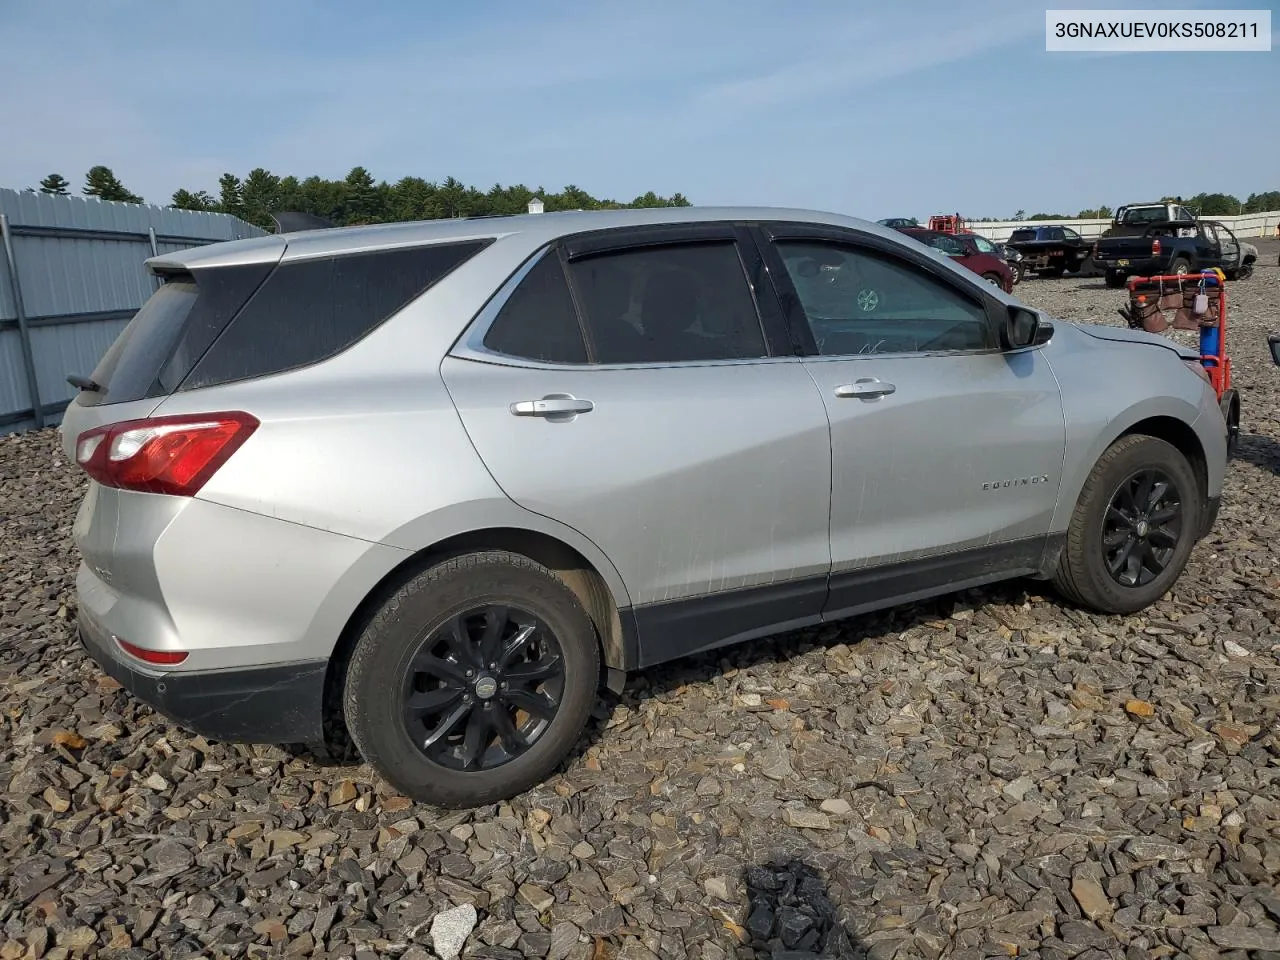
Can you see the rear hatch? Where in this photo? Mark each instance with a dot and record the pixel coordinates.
(161, 344)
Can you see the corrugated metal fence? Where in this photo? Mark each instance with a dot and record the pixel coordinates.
(71, 276)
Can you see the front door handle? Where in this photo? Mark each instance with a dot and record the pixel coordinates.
(866, 388)
(552, 405)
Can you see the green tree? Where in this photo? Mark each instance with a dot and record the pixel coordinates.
(260, 197)
(1262, 202)
(100, 182)
(1214, 204)
(229, 200)
(56, 184)
(362, 197)
(186, 200)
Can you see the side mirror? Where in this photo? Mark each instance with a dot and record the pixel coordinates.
(1024, 329)
(1273, 342)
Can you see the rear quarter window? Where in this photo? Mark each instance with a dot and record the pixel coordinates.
(310, 310)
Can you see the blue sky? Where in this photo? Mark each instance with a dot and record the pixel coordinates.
(869, 108)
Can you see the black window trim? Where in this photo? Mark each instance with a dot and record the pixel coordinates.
(775, 329)
(767, 233)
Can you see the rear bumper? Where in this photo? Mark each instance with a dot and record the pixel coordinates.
(278, 703)
(1139, 266)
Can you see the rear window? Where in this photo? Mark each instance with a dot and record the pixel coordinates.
(1023, 235)
(127, 371)
(310, 310)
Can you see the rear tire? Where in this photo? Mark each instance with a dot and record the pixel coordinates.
(1116, 524)
(408, 675)
(1114, 279)
(1180, 265)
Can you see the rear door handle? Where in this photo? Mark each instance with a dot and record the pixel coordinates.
(866, 388)
(552, 406)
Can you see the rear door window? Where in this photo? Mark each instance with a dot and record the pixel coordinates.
(678, 303)
(310, 310)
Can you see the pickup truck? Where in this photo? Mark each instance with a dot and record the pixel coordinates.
(1049, 250)
(1173, 247)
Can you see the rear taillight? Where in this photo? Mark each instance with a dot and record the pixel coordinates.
(1155, 247)
(172, 455)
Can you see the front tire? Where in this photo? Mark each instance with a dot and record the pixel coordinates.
(473, 681)
(1133, 527)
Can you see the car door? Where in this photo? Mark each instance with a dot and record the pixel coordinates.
(946, 451)
(624, 384)
(1221, 249)
(1207, 247)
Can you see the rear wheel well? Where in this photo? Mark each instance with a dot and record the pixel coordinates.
(1180, 435)
(570, 566)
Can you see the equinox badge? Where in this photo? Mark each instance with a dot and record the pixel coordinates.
(1015, 482)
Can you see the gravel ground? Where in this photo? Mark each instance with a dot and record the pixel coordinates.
(990, 774)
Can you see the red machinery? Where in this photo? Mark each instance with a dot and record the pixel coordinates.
(1198, 302)
(948, 223)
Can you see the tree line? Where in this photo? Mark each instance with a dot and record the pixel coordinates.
(355, 199)
(358, 198)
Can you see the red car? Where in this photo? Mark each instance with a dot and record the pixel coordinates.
(965, 249)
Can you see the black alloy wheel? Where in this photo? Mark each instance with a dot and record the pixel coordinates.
(1142, 528)
(473, 679)
(483, 687)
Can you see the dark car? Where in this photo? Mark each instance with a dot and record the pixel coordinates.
(1172, 247)
(1050, 250)
(898, 223)
(975, 244)
(1013, 258)
(967, 248)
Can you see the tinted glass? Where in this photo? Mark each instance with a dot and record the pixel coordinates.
(310, 310)
(223, 291)
(673, 304)
(538, 321)
(1070, 234)
(127, 371)
(860, 302)
(1022, 235)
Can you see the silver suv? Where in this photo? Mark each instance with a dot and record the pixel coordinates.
(435, 483)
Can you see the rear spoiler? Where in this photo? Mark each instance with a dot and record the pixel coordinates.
(293, 222)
